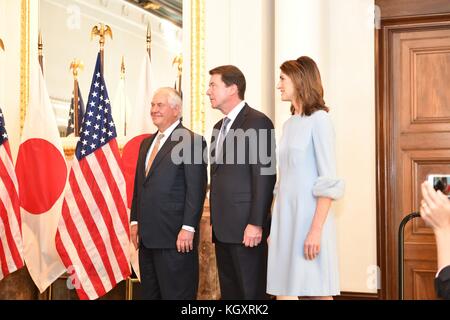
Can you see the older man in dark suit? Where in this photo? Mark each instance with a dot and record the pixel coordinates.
(169, 192)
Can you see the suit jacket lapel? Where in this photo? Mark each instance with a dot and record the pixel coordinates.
(214, 138)
(167, 147)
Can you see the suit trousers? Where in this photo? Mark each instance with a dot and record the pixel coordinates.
(242, 271)
(168, 274)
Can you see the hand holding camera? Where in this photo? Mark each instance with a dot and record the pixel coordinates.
(440, 182)
(435, 207)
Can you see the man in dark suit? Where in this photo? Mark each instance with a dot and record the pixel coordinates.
(243, 176)
(168, 198)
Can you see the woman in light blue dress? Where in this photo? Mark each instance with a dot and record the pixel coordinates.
(303, 260)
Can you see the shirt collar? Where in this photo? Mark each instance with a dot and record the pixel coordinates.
(170, 129)
(234, 113)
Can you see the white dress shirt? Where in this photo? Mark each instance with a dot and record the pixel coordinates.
(166, 134)
(232, 115)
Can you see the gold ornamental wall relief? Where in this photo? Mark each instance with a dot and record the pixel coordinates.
(198, 87)
(24, 59)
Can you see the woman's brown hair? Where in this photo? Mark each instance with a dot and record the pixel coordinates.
(307, 82)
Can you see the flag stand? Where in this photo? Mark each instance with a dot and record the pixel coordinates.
(129, 287)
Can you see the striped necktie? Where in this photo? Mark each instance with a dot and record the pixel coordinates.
(223, 134)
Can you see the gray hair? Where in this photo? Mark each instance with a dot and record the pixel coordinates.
(173, 98)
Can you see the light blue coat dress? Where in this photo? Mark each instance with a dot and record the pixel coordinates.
(307, 170)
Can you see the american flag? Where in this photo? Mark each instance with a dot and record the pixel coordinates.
(71, 123)
(11, 248)
(93, 233)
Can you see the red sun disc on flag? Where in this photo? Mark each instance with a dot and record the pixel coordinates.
(41, 172)
(130, 156)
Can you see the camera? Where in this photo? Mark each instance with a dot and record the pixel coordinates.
(440, 182)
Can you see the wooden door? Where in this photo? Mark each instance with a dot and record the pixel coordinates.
(415, 129)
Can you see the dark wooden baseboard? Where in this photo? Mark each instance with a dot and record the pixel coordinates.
(357, 296)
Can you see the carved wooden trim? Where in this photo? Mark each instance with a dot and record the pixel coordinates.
(412, 8)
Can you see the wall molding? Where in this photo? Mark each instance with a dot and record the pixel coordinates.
(348, 295)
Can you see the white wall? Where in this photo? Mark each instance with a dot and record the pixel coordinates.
(300, 29)
(351, 94)
(10, 70)
(240, 33)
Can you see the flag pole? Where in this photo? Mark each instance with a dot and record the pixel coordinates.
(75, 66)
(149, 40)
(122, 77)
(102, 31)
(130, 280)
(179, 62)
(40, 51)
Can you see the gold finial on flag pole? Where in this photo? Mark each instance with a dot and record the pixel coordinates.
(75, 66)
(101, 31)
(2, 46)
(149, 40)
(178, 60)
